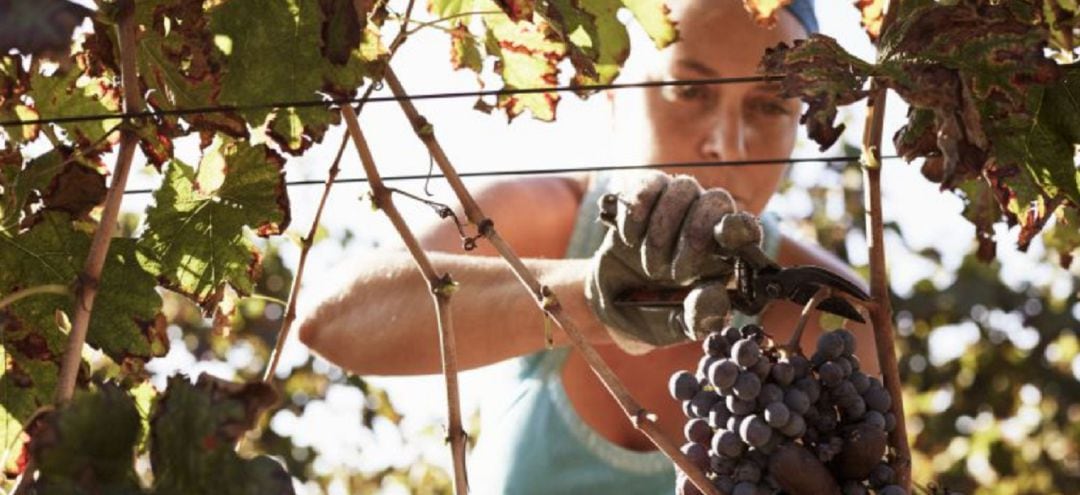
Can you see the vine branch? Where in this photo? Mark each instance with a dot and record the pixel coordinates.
(881, 312)
(441, 287)
(58, 289)
(544, 298)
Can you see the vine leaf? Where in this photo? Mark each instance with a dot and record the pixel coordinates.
(825, 76)
(654, 19)
(517, 10)
(66, 94)
(982, 210)
(193, 430)
(296, 29)
(88, 446)
(195, 238)
(527, 58)
(764, 11)
(1064, 237)
(343, 27)
(464, 49)
(872, 13)
(602, 37)
(41, 27)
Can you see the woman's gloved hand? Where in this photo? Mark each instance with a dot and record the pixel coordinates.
(662, 236)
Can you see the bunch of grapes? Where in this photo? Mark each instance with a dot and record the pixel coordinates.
(765, 419)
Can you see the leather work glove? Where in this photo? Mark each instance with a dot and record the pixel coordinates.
(661, 237)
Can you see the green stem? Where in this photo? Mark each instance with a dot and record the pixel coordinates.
(57, 289)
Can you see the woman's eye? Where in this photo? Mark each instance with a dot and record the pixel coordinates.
(686, 93)
(770, 106)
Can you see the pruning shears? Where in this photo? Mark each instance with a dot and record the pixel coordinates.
(759, 280)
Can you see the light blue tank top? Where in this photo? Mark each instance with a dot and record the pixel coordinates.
(532, 440)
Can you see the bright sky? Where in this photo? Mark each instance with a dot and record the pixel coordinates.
(476, 141)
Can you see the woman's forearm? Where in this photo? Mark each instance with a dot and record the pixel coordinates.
(384, 323)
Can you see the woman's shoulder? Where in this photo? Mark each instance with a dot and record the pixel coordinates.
(535, 214)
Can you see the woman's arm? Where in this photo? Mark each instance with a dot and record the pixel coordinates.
(384, 322)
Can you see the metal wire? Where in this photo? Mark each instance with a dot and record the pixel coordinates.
(551, 171)
(381, 99)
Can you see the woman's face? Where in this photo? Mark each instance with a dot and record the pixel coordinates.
(743, 121)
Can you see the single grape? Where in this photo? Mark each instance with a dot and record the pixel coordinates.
(732, 335)
(715, 345)
(881, 475)
(762, 368)
(830, 345)
(770, 392)
(697, 453)
(722, 373)
(801, 365)
(754, 431)
(874, 418)
(745, 488)
(818, 358)
(892, 490)
(795, 427)
(697, 430)
(683, 385)
(783, 373)
(703, 402)
(856, 365)
(774, 441)
(860, 381)
(796, 400)
(890, 422)
(878, 399)
(855, 488)
(843, 390)
(875, 383)
(747, 386)
(718, 415)
(739, 406)
(728, 443)
(845, 366)
(848, 338)
(704, 363)
(687, 410)
(724, 483)
(777, 414)
(830, 374)
(722, 464)
(747, 471)
(683, 486)
(810, 387)
(854, 410)
(746, 353)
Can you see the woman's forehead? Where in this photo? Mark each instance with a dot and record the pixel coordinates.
(719, 38)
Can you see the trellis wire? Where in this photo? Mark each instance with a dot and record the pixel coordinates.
(383, 99)
(565, 170)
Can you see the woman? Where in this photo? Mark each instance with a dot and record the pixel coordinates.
(560, 431)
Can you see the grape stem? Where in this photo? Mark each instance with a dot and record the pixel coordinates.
(58, 289)
(441, 286)
(793, 344)
(546, 300)
(881, 312)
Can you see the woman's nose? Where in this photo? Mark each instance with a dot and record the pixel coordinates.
(724, 139)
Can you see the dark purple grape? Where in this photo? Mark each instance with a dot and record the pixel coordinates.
(881, 475)
(777, 414)
(728, 443)
(722, 464)
(810, 387)
(724, 483)
(830, 374)
(848, 338)
(747, 471)
(856, 365)
(715, 345)
(733, 423)
(683, 385)
(770, 392)
(860, 381)
(762, 368)
(703, 402)
(747, 386)
(746, 353)
(830, 345)
(686, 409)
(795, 427)
(826, 422)
(722, 374)
(874, 418)
(751, 330)
(745, 488)
(875, 382)
(855, 488)
(739, 406)
(845, 366)
(796, 400)
(783, 373)
(800, 364)
(855, 410)
(697, 430)
(704, 363)
(892, 490)
(683, 486)
(878, 399)
(754, 431)
(818, 358)
(719, 415)
(890, 421)
(698, 454)
(732, 335)
(844, 390)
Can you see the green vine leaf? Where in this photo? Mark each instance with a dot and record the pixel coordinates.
(609, 40)
(653, 17)
(1064, 236)
(527, 58)
(195, 237)
(193, 432)
(66, 94)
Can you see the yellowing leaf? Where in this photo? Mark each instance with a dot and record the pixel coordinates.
(764, 11)
(653, 17)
